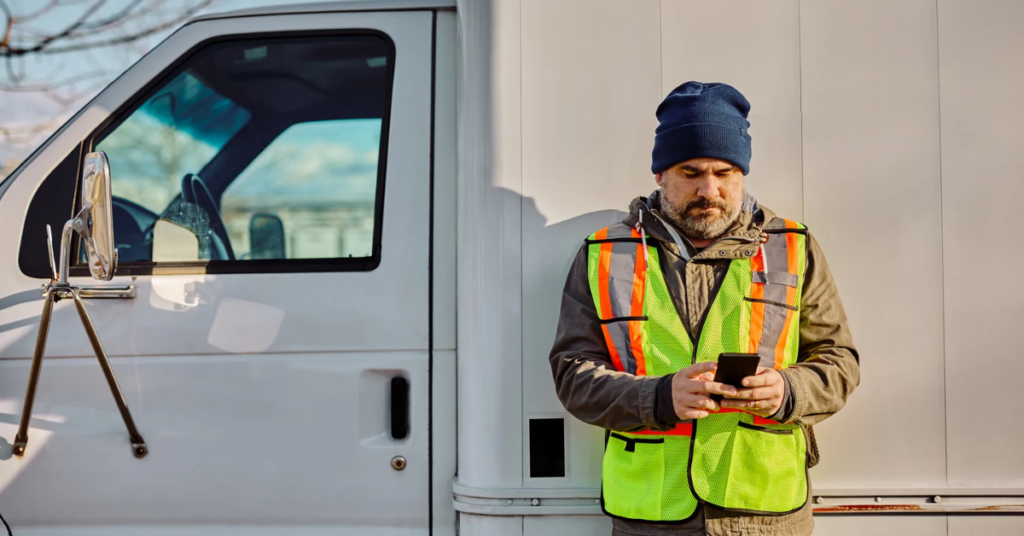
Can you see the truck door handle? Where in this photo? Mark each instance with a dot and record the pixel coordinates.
(399, 407)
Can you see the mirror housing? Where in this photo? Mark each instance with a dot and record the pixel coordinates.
(95, 221)
(266, 236)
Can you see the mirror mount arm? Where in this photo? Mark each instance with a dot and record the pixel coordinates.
(61, 289)
(53, 293)
(65, 250)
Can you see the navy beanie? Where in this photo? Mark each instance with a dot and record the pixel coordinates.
(702, 121)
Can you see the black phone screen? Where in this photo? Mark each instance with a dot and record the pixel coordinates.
(732, 368)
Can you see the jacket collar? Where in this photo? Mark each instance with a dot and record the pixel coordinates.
(739, 241)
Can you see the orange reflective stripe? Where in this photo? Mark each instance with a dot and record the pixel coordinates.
(637, 308)
(757, 418)
(681, 429)
(604, 262)
(614, 354)
(780, 347)
(756, 325)
(756, 308)
(793, 260)
(792, 243)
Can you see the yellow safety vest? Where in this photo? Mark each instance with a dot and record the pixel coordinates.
(731, 459)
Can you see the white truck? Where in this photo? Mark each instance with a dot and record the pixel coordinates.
(342, 230)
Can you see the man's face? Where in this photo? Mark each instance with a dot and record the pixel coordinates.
(702, 196)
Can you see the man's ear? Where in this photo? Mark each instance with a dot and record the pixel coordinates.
(657, 179)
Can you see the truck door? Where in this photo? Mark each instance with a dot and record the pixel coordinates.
(271, 178)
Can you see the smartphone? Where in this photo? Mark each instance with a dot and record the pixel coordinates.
(732, 368)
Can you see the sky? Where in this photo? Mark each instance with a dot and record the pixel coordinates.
(96, 68)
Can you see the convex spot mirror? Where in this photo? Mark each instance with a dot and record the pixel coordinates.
(95, 221)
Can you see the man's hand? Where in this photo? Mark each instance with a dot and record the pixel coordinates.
(691, 387)
(762, 394)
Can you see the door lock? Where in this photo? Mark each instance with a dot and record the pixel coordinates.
(398, 463)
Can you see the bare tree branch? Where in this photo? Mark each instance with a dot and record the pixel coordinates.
(82, 29)
(119, 17)
(27, 134)
(42, 11)
(78, 73)
(32, 88)
(10, 25)
(133, 36)
(41, 45)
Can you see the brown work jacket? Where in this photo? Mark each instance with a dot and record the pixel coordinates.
(817, 386)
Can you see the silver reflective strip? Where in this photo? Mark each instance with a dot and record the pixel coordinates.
(766, 361)
(620, 277)
(620, 230)
(619, 332)
(775, 278)
(621, 269)
(774, 321)
(776, 263)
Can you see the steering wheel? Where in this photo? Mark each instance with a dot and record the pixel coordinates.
(194, 190)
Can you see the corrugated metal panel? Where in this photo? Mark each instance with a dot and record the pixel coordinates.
(872, 198)
(980, 51)
(755, 47)
(591, 75)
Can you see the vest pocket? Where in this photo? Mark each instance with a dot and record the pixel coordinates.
(632, 476)
(765, 429)
(768, 472)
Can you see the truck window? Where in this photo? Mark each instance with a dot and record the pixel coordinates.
(320, 180)
(177, 130)
(268, 151)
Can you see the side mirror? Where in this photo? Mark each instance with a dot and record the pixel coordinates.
(266, 237)
(95, 225)
(95, 221)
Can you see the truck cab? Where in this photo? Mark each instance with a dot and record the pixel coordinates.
(277, 183)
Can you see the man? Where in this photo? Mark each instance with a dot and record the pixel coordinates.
(696, 270)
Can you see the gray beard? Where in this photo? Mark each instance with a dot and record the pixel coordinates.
(698, 228)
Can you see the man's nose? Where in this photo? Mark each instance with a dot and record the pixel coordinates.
(708, 187)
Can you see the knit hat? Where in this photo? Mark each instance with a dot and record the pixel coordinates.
(702, 121)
